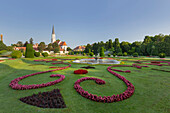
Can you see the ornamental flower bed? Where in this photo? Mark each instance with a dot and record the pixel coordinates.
(14, 83)
(80, 71)
(88, 67)
(50, 99)
(106, 99)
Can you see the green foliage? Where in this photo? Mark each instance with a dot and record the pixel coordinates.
(57, 50)
(88, 48)
(41, 46)
(114, 54)
(23, 53)
(37, 54)
(3, 51)
(31, 41)
(72, 53)
(109, 55)
(119, 54)
(29, 51)
(69, 49)
(10, 48)
(16, 54)
(84, 54)
(45, 54)
(50, 47)
(124, 54)
(91, 54)
(162, 55)
(135, 54)
(2, 46)
(102, 52)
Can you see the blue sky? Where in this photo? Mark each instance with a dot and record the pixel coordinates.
(79, 22)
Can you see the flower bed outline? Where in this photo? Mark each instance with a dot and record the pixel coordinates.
(14, 83)
(106, 99)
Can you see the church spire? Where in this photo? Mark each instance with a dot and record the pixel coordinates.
(53, 30)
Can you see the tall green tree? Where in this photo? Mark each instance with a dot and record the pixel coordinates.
(31, 41)
(102, 52)
(20, 44)
(29, 51)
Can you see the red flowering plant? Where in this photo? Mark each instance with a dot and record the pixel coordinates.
(106, 99)
(14, 83)
(80, 71)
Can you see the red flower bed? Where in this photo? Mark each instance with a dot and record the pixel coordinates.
(80, 71)
(14, 83)
(54, 59)
(156, 62)
(106, 99)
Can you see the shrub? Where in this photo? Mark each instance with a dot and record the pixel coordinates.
(135, 54)
(29, 51)
(37, 54)
(162, 55)
(16, 54)
(72, 53)
(84, 54)
(102, 52)
(114, 54)
(124, 54)
(91, 54)
(77, 53)
(109, 55)
(45, 54)
(119, 54)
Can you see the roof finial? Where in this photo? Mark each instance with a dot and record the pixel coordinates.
(53, 30)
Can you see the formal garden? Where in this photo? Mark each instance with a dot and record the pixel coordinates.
(56, 84)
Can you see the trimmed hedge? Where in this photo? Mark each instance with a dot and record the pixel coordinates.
(109, 55)
(45, 54)
(135, 54)
(91, 54)
(16, 54)
(37, 54)
(29, 51)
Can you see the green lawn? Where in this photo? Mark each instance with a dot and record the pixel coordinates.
(152, 88)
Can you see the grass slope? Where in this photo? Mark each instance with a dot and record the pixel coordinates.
(151, 88)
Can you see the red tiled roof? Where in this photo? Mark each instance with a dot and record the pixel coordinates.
(19, 48)
(63, 44)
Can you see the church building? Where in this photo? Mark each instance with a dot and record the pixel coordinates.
(62, 44)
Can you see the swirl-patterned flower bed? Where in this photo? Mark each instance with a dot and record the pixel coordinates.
(80, 71)
(106, 99)
(50, 99)
(14, 83)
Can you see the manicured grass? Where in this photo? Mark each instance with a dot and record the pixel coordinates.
(151, 88)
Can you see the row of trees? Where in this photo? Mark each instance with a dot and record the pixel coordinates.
(151, 46)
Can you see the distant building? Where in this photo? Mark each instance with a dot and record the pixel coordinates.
(62, 44)
(20, 48)
(79, 48)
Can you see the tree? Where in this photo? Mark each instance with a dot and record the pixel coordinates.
(29, 51)
(88, 48)
(125, 46)
(117, 45)
(25, 44)
(2, 46)
(110, 44)
(31, 41)
(102, 52)
(19, 44)
(57, 50)
(95, 48)
(69, 49)
(54, 45)
(41, 46)
(50, 47)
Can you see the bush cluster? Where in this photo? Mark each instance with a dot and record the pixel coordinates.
(37, 54)
(45, 54)
(16, 54)
(162, 55)
(135, 54)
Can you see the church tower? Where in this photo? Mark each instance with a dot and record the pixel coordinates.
(53, 39)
